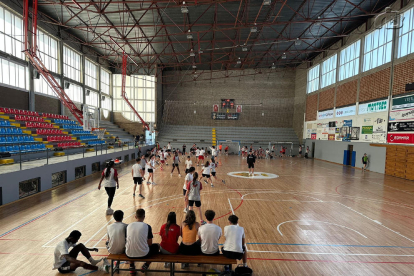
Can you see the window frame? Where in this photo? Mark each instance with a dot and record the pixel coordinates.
(315, 80)
(347, 63)
(91, 78)
(331, 68)
(75, 73)
(409, 34)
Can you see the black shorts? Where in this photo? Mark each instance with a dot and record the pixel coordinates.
(300, 152)
(175, 165)
(150, 170)
(65, 268)
(250, 165)
(153, 249)
(184, 192)
(168, 150)
(226, 150)
(193, 249)
(233, 255)
(191, 203)
(206, 175)
(213, 173)
(364, 163)
(138, 180)
(187, 170)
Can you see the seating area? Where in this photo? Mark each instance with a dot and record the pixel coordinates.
(55, 116)
(10, 130)
(27, 118)
(16, 139)
(76, 132)
(13, 111)
(96, 142)
(58, 138)
(69, 145)
(71, 127)
(64, 122)
(37, 125)
(88, 137)
(48, 131)
(23, 148)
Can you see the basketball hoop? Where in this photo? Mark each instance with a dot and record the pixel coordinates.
(99, 131)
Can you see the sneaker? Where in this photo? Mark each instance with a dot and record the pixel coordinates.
(144, 268)
(184, 265)
(205, 181)
(148, 182)
(212, 185)
(141, 196)
(133, 194)
(171, 174)
(185, 210)
(105, 268)
(226, 268)
(153, 183)
(166, 265)
(95, 262)
(109, 211)
(106, 262)
(224, 182)
(179, 175)
(203, 222)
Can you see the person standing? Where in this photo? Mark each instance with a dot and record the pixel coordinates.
(111, 183)
(365, 161)
(251, 159)
(137, 177)
(226, 150)
(193, 195)
(188, 164)
(188, 178)
(151, 167)
(143, 164)
(184, 148)
(307, 152)
(220, 148)
(300, 150)
(176, 161)
(197, 152)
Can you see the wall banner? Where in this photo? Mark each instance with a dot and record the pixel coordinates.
(401, 126)
(332, 124)
(313, 136)
(367, 130)
(347, 123)
(402, 115)
(373, 107)
(403, 102)
(345, 111)
(331, 137)
(327, 114)
(399, 138)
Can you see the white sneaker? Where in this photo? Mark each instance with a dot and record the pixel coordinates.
(153, 183)
(106, 262)
(179, 175)
(109, 211)
(185, 210)
(105, 268)
(212, 185)
(95, 262)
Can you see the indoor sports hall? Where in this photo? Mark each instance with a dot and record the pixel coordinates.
(266, 137)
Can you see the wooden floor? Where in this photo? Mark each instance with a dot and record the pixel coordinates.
(316, 218)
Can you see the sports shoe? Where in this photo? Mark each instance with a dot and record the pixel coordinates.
(153, 183)
(166, 265)
(95, 262)
(106, 262)
(141, 196)
(133, 194)
(109, 211)
(212, 185)
(148, 182)
(179, 175)
(185, 210)
(144, 268)
(224, 182)
(171, 174)
(105, 268)
(205, 181)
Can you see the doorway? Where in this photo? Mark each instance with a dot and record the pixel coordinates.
(313, 149)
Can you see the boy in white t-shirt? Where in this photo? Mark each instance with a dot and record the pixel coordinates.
(137, 177)
(117, 234)
(209, 235)
(166, 154)
(188, 164)
(197, 155)
(188, 178)
(235, 244)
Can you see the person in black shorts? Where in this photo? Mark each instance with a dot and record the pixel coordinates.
(184, 147)
(235, 244)
(251, 159)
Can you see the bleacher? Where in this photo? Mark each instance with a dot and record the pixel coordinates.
(202, 136)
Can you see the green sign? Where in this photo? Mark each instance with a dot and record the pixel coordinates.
(403, 102)
(367, 129)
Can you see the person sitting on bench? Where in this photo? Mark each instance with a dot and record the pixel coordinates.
(139, 241)
(209, 235)
(170, 232)
(66, 262)
(116, 234)
(234, 245)
(189, 229)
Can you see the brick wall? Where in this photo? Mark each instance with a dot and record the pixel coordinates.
(47, 104)
(311, 107)
(14, 98)
(326, 99)
(269, 94)
(403, 74)
(346, 94)
(375, 86)
(300, 100)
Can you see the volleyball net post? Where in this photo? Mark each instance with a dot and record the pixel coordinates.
(234, 145)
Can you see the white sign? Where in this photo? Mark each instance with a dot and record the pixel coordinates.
(328, 114)
(345, 111)
(402, 115)
(373, 107)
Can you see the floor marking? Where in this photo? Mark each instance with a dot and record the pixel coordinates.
(331, 253)
(329, 261)
(398, 233)
(231, 207)
(280, 224)
(99, 240)
(276, 200)
(333, 245)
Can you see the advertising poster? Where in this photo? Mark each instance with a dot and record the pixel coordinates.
(403, 102)
(327, 114)
(345, 111)
(401, 126)
(313, 136)
(378, 106)
(215, 107)
(366, 133)
(347, 123)
(401, 120)
(239, 108)
(332, 124)
(331, 137)
(402, 115)
(379, 131)
(399, 138)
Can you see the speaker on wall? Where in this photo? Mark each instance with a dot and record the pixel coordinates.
(409, 86)
(88, 92)
(67, 85)
(103, 98)
(36, 74)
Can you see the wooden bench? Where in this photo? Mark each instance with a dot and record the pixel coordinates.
(172, 259)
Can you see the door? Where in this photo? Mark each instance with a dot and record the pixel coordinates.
(313, 149)
(350, 151)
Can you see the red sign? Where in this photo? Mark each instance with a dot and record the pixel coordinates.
(400, 138)
(238, 108)
(331, 136)
(215, 107)
(313, 136)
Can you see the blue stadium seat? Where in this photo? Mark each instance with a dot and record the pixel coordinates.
(2, 130)
(3, 139)
(3, 149)
(8, 130)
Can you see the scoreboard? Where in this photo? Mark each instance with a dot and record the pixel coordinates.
(227, 103)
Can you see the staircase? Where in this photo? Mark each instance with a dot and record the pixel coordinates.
(114, 130)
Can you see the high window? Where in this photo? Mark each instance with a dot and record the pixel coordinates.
(328, 76)
(406, 34)
(107, 103)
(71, 64)
(140, 91)
(105, 81)
(91, 74)
(349, 61)
(75, 93)
(11, 33)
(13, 74)
(313, 79)
(41, 86)
(92, 99)
(378, 47)
(47, 51)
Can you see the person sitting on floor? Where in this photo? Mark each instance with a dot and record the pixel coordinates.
(209, 235)
(170, 232)
(139, 241)
(116, 234)
(235, 245)
(66, 262)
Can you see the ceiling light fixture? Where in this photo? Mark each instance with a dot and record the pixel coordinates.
(194, 66)
(200, 51)
(298, 41)
(192, 54)
(184, 8)
(253, 29)
(267, 2)
(318, 22)
(244, 48)
(273, 66)
(284, 56)
(189, 35)
(239, 61)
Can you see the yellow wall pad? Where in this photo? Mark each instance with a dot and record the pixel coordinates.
(110, 147)
(125, 145)
(49, 146)
(5, 117)
(65, 132)
(73, 138)
(15, 124)
(48, 121)
(89, 150)
(27, 131)
(6, 161)
(60, 153)
(55, 126)
(39, 139)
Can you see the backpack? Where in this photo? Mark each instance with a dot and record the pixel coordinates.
(243, 271)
